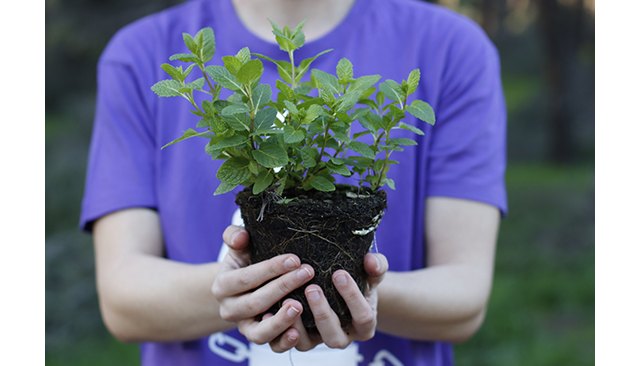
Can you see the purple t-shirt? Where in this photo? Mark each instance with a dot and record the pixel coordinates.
(463, 156)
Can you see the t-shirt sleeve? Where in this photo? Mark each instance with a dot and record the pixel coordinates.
(467, 153)
(121, 167)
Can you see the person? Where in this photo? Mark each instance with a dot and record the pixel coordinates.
(166, 280)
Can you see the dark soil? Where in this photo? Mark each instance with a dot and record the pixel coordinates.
(319, 228)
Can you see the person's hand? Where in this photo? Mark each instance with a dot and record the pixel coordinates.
(246, 290)
(363, 311)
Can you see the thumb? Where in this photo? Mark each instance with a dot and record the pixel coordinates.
(236, 238)
(376, 265)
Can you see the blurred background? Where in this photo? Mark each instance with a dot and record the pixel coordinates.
(542, 306)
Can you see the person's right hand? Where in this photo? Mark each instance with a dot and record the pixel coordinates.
(245, 291)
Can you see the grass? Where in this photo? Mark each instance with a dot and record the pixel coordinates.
(542, 306)
(95, 351)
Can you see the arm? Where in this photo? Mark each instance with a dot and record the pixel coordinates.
(446, 300)
(144, 297)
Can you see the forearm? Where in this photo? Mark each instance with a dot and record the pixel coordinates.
(148, 298)
(437, 303)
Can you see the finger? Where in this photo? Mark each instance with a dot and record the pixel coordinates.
(289, 338)
(286, 341)
(237, 240)
(306, 341)
(326, 319)
(270, 328)
(234, 282)
(376, 265)
(254, 303)
(362, 314)
(236, 237)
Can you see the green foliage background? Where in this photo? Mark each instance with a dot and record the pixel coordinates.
(542, 307)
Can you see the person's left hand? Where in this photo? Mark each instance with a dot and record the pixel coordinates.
(363, 311)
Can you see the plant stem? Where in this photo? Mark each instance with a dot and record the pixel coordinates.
(387, 154)
(293, 71)
(252, 117)
(189, 97)
(206, 78)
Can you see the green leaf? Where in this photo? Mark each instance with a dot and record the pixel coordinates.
(347, 101)
(232, 64)
(285, 90)
(281, 184)
(339, 169)
(380, 98)
(344, 70)
(314, 111)
(270, 155)
(362, 149)
(298, 35)
(364, 82)
(223, 77)
(234, 171)
(238, 122)
(224, 187)
(250, 72)
(322, 184)
(283, 37)
(283, 71)
(261, 95)
(264, 119)
(218, 142)
(413, 80)
(371, 121)
(422, 111)
(263, 181)
(174, 72)
(402, 141)
(184, 57)
(326, 81)
(234, 109)
(360, 134)
(306, 63)
(392, 90)
(243, 55)
(291, 108)
(187, 135)
(253, 167)
(292, 136)
(411, 128)
(167, 88)
(360, 162)
(309, 156)
(207, 46)
(213, 152)
(190, 42)
(390, 182)
(195, 85)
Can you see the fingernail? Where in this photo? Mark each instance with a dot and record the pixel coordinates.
(341, 280)
(378, 264)
(304, 273)
(313, 295)
(292, 337)
(292, 312)
(290, 263)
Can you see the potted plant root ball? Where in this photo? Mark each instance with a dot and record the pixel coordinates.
(287, 145)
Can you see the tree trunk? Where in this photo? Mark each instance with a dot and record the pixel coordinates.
(561, 30)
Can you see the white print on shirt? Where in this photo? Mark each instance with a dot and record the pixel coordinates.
(235, 350)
